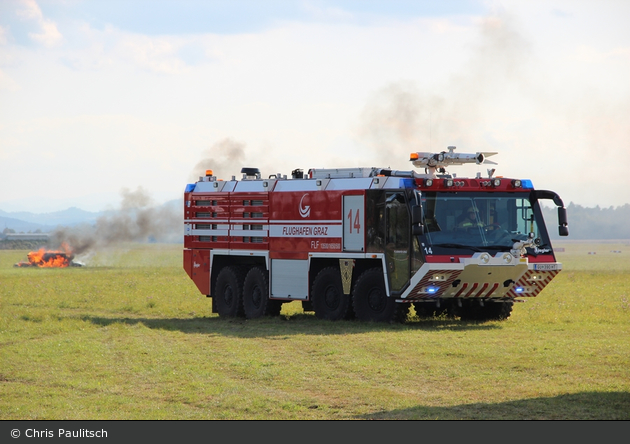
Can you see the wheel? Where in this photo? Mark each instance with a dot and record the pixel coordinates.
(491, 311)
(370, 300)
(429, 309)
(256, 302)
(498, 311)
(228, 292)
(329, 301)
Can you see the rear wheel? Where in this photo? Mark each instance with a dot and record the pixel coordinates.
(329, 301)
(256, 302)
(371, 302)
(228, 292)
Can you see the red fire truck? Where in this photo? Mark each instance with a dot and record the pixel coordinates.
(369, 242)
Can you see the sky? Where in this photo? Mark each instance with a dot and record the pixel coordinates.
(100, 98)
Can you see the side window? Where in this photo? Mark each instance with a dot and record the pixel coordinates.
(375, 221)
(398, 232)
(398, 229)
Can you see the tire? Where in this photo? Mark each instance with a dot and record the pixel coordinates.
(370, 300)
(491, 311)
(428, 309)
(228, 292)
(329, 301)
(256, 302)
(498, 311)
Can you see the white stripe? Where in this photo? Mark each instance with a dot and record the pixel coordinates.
(302, 221)
(208, 232)
(249, 233)
(305, 230)
(206, 221)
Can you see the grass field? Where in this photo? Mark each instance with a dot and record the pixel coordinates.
(130, 337)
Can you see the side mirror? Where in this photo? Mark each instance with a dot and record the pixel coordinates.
(417, 230)
(417, 217)
(563, 224)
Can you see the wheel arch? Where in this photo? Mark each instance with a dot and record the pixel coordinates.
(219, 260)
(317, 264)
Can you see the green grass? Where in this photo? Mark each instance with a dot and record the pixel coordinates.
(130, 337)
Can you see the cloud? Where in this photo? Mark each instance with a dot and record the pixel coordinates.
(49, 35)
(326, 13)
(3, 36)
(158, 54)
(7, 83)
(146, 106)
(590, 54)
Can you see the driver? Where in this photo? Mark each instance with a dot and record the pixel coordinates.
(471, 219)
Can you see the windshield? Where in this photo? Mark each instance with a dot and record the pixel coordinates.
(480, 221)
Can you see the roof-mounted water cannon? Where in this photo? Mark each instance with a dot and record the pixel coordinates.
(437, 162)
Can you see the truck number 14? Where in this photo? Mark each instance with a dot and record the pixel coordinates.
(357, 221)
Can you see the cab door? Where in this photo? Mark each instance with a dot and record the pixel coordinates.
(397, 235)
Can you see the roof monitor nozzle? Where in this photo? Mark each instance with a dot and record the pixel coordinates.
(436, 162)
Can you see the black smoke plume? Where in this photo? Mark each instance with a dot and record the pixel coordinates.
(137, 220)
(225, 158)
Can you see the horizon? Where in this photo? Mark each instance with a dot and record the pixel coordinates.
(100, 97)
(151, 203)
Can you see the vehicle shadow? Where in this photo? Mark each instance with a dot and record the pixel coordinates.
(297, 324)
(577, 406)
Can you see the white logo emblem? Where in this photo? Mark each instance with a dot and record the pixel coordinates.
(305, 211)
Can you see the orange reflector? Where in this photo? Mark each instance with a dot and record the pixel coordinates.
(413, 156)
(208, 172)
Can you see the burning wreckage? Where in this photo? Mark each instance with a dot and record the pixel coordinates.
(44, 258)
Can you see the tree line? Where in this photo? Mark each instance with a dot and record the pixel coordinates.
(591, 223)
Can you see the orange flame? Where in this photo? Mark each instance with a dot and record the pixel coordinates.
(44, 258)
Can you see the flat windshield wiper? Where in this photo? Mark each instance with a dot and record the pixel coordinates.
(468, 247)
(497, 247)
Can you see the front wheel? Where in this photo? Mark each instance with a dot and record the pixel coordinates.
(371, 302)
(429, 309)
(490, 311)
(329, 300)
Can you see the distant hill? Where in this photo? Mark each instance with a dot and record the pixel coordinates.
(71, 216)
(21, 226)
(590, 223)
(24, 222)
